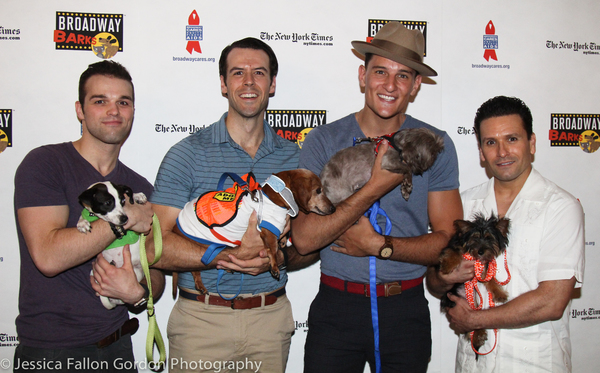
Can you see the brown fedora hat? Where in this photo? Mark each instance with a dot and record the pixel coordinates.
(397, 43)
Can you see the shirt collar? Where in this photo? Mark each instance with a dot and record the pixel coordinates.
(221, 135)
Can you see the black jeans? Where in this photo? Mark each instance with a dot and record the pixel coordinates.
(340, 332)
(118, 357)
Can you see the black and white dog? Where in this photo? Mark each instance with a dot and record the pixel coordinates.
(105, 200)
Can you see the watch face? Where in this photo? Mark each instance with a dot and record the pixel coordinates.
(386, 252)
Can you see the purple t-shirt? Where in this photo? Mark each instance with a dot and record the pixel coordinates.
(63, 311)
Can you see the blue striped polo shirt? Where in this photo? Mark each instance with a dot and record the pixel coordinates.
(194, 166)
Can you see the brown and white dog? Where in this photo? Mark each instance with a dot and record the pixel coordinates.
(287, 192)
(106, 200)
(412, 151)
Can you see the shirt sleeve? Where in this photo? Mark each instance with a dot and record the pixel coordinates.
(563, 244)
(174, 180)
(313, 155)
(444, 172)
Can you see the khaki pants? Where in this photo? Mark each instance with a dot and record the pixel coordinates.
(205, 338)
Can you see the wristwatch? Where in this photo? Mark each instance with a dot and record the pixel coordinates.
(387, 249)
(144, 299)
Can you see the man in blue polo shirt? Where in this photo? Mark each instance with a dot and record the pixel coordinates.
(208, 328)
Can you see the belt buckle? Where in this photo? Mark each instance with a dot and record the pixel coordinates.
(392, 288)
(233, 302)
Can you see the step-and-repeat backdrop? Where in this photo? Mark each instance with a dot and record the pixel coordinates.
(547, 53)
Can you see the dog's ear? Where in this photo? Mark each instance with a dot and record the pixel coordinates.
(462, 226)
(302, 190)
(86, 198)
(125, 191)
(502, 226)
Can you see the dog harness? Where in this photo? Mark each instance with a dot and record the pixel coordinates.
(472, 287)
(378, 140)
(219, 218)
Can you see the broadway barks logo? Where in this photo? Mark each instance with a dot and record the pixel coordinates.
(100, 33)
(193, 33)
(294, 125)
(575, 130)
(5, 129)
(375, 24)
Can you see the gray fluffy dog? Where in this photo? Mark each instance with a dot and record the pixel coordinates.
(411, 151)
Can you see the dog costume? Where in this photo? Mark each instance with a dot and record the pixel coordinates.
(222, 216)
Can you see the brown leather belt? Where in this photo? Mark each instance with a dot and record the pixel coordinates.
(129, 327)
(237, 303)
(383, 290)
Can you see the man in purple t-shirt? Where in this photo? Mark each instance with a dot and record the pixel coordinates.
(62, 324)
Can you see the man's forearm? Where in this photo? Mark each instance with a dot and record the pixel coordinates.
(295, 261)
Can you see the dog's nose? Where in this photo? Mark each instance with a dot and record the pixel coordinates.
(123, 219)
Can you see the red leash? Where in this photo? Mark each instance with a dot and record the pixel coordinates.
(472, 287)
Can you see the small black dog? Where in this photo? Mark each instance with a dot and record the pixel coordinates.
(105, 200)
(484, 240)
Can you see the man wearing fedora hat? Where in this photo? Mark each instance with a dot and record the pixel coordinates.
(341, 335)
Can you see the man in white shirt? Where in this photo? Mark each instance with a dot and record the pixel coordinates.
(545, 254)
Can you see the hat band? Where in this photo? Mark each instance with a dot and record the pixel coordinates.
(397, 49)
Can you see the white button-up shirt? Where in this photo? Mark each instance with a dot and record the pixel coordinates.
(546, 242)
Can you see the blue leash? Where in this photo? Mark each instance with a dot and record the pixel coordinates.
(372, 215)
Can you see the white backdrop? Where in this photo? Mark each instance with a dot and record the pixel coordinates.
(546, 54)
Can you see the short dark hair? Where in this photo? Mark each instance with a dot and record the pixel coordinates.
(500, 106)
(369, 56)
(106, 68)
(249, 43)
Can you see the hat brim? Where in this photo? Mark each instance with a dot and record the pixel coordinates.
(364, 48)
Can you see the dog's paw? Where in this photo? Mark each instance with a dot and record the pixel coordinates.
(500, 296)
(406, 188)
(275, 273)
(479, 338)
(140, 198)
(83, 225)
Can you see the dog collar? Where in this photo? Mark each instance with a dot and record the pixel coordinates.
(377, 140)
(279, 187)
(130, 237)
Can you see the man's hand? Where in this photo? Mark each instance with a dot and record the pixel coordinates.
(251, 256)
(139, 217)
(113, 282)
(460, 316)
(359, 240)
(383, 181)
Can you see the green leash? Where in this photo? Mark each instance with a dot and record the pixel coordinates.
(153, 330)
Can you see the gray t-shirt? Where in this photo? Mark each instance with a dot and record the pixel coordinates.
(409, 218)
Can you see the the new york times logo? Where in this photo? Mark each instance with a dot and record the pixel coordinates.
(575, 130)
(293, 125)
(101, 33)
(375, 24)
(5, 129)
(585, 314)
(7, 340)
